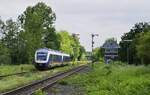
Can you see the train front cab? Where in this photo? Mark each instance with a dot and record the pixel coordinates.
(41, 60)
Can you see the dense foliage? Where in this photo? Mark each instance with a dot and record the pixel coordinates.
(97, 54)
(70, 44)
(135, 35)
(34, 29)
(38, 30)
(143, 48)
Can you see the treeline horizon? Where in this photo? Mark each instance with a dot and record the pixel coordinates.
(34, 29)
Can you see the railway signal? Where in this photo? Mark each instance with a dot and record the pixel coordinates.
(93, 35)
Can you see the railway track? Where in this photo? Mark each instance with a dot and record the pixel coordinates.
(31, 88)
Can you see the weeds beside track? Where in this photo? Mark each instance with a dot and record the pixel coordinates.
(31, 88)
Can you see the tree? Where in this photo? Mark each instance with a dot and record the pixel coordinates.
(10, 39)
(70, 44)
(4, 51)
(97, 54)
(134, 34)
(51, 40)
(82, 53)
(76, 47)
(4, 54)
(1, 27)
(38, 29)
(66, 41)
(143, 48)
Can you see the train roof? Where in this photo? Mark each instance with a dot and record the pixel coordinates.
(54, 52)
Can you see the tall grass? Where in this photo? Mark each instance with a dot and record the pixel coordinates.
(9, 69)
(19, 80)
(114, 79)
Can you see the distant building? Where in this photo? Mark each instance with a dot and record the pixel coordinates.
(110, 50)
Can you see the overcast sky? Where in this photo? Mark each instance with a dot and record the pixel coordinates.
(108, 18)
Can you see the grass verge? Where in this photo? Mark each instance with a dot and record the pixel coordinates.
(11, 69)
(113, 79)
(19, 80)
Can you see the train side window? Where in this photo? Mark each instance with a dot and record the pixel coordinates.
(51, 57)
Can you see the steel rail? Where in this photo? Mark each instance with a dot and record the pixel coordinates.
(31, 88)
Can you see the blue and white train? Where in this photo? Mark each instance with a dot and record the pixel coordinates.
(45, 58)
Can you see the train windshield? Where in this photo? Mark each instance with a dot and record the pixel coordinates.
(42, 56)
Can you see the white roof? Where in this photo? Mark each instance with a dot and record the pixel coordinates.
(50, 51)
